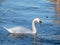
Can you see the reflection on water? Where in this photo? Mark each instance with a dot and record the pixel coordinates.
(26, 36)
(54, 1)
(57, 11)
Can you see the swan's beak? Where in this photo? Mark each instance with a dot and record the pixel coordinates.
(40, 22)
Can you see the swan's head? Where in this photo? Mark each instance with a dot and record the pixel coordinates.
(33, 24)
(37, 20)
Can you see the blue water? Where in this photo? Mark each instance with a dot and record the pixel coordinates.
(21, 13)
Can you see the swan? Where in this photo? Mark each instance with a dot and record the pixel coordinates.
(18, 29)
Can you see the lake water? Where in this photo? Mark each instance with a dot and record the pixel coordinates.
(21, 13)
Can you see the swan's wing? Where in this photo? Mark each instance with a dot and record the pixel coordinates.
(20, 30)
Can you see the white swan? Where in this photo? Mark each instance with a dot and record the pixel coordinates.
(19, 29)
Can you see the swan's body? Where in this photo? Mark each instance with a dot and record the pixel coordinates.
(19, 29)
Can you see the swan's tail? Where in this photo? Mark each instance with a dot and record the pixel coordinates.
(5, 28)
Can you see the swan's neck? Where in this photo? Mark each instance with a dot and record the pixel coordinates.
(33, 26)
